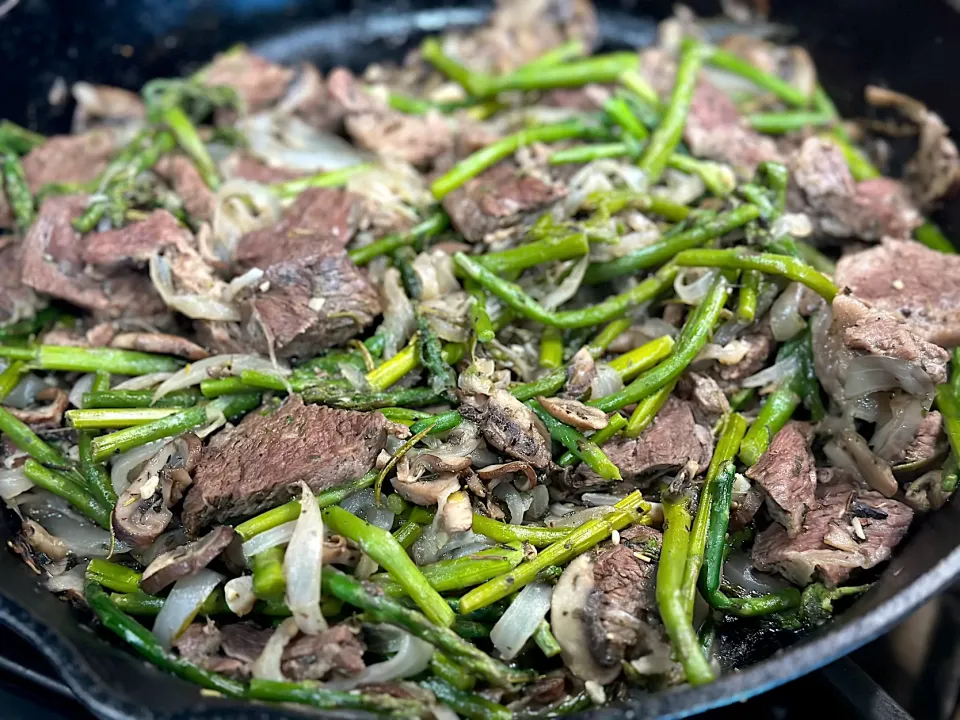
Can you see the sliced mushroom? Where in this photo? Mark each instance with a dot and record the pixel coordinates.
(185, 560)
(575, 413)
(43, 541)
(571, 598)
(875, 472)
(337, 550)
(434, 462)
(425, 492)
(46, 416)
(492, 472)
(142, 514)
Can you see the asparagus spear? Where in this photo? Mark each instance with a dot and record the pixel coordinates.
(87, 360)
(29, 442)
(128, 399)
(104, 419)
(380, 608)
(18, 191)
(615, 424)
(464, 703)
(460, 573)
(113, 576)
(330, 179)
(315, 695)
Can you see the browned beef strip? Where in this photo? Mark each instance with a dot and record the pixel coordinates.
(259, 463)
(502, 197)
(621, 614)
(182, 174)
(53, 264)
(106, 106)
(185, 560)
(336, 651)
(321, 220)
(135, 242)
(417, 139)
(924, 444)
(159, 343)
(310, 305)
(258, 82)
(786, 472)
(709, 402)
(853, 328)
(241, 164)
(672, 440)
(17, 300)
(244, 641)
(199, 642)
(509, 426)
(807, 557)
(910, 281)
(823, 188)
(49, 415)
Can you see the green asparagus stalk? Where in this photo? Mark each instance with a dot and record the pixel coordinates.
(615, 423)
(647, 409)
(551, 349)
(330, 179)
(130, 399)
(120, 418)
(432, 225)
(460, 573)
(18, 139)
(18, 191)
(465, 704)
(10, 377)
(782, 89)
(548, 249)
(545, 640)
(479, 317)
(317, 696)
(95, 476)
(189, 141)
(113, 576)
(442, 378)
(269, 583)
(87, 360)
(29, 442)
(384, 609)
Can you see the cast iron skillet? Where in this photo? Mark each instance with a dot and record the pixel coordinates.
(125, 42)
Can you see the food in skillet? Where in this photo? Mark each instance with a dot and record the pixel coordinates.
(497, 383)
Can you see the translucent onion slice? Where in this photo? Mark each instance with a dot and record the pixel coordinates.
(520, 620)
(412, 658)
(302, 565)
(182, 605)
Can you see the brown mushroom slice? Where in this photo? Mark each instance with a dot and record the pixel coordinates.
(337, 550)
(574, 413)
(437, 463)
(567, 608)
(492, 472)
(875, 472)
(185, 560)
(42, 541)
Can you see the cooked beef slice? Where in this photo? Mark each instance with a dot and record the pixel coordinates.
(910, 281)
(522, 30)
(258, 82)
(243, 165)
(854, 328)
(823, 188)
(182, 174)
(787, 474)
(46, 416)
(509, 426)
(501, 197)
(17, 301)
(259, 463)
(829, 547)
(199, 642)
(924, 444)
(135, 242)
(709, 402)
(185, 560)
(106, 106)
(621, 611)
(310, 305)
(159, 343)
(64, 159)
(336, 651)
(672, 440)
(374, 125)
(53, 264)
(759, 346)
(319, 221)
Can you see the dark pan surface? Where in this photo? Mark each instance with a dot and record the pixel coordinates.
(126, 42)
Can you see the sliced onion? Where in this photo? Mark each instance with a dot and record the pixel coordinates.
(275, 536)
(598, 499)
(143, 382)
(233, 217)
(393, 187)
(606, 381)
(462, 544)
(364, 505)
(268, 665)
(892, 438)
(508, 493)
(412, 658)
(240, 283)
(692, 284)
(81, 387)
(13, 482)
(70, 581)
(540, 501)
(730, 353)
(435, 270)
(125, 463)
(80, 537)
(195, 306)
(774, 374)
(24, 394)
(197, 372)
(785, 319)
(868, 374)
(442, 712)
(302, 565)
(239, 595)
(182, 605)
(286, 141)
(559, 294)
(355, 376)
(426, 549)
(739, 570)
(520, 620)
(658, 327)
(876, 473)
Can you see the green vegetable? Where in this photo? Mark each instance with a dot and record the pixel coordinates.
(551, 348)
(726, 60)
(778, 123)
(329, 179)
(317, 696)
(647, 409)
(460, 573)
(15, 184)
(465, 704)
(572, 439)
(129, 399)
(120, 418)
(87, 360)
(113, 576)
(29, 442)
(615, 423)
(432, 225)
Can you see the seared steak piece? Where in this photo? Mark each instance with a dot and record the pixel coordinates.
(911, 282)
(241, 164)
(321, 220)
(501, 197)
(258, 82)
(849, 529)
(823, 188)
(417, 139)
(259, 463)
(185, 560)
(336, 651)
(135, 242)
(182, 174)
(672, 440)
(310, 305)
(53, 264)
(854, 328)
(787, 474)
(17, 300)
(924, 444)
(159, 343)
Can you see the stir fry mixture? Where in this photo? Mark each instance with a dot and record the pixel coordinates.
(495, 383)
